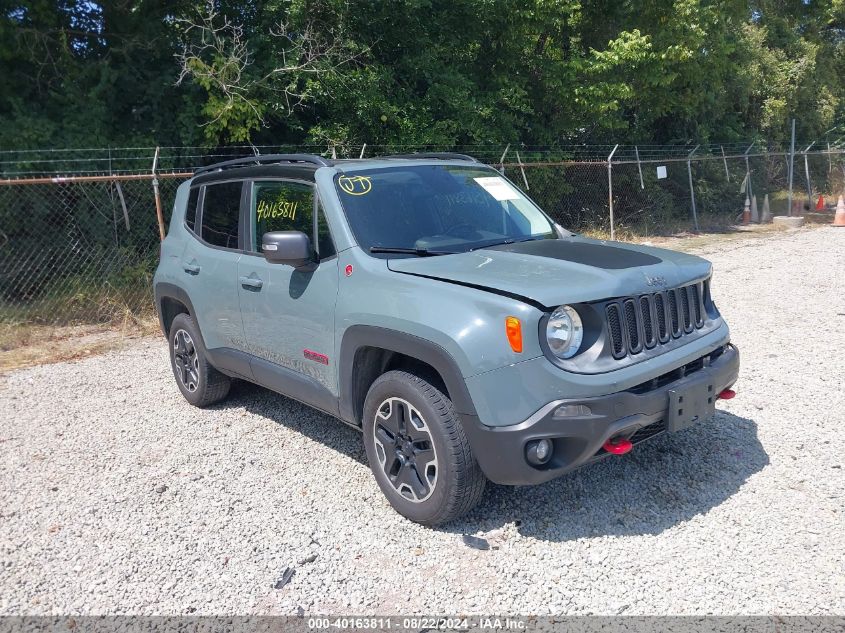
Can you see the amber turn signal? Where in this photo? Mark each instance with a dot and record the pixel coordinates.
(513, 328)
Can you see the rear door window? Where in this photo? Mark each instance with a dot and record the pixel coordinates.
(221, 212)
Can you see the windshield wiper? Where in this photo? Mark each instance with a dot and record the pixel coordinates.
(509, 240)
(419, 252)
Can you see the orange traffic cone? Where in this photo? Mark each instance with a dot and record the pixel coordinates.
(839, 218)
(746, 213)
(820, 204)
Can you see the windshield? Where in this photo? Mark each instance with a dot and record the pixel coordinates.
(437, 209)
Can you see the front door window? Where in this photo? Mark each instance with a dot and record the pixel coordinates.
(289, 206)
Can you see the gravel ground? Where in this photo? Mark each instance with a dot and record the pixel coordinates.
(118, 497)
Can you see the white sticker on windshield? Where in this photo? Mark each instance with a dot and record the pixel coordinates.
(498, 187)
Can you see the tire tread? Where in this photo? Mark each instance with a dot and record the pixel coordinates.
(469, 479)
(216, 385)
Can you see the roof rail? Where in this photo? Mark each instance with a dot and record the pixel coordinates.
(435, 155)
(265, 159)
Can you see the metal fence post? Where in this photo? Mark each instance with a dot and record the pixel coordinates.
(691, 188)
(790, 169)
(610, 191)
(829, 162)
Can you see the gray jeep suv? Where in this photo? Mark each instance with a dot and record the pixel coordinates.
(426, 301)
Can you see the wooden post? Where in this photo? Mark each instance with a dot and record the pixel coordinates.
(159, 214)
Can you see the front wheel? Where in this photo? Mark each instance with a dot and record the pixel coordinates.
(418, 451)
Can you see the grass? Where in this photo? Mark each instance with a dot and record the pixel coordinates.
(64, 326)
(75, 316)
(26, 344)
(672, 228)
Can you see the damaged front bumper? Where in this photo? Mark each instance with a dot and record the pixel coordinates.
(579, 428)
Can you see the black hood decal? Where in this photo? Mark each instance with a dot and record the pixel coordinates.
(588, 254)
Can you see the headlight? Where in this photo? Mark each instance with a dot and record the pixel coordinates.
(564, 332)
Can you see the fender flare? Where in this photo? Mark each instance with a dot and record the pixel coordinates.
(171, 291)
(358, 336)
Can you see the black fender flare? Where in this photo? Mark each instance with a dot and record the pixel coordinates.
(358, 336)
(172, 291)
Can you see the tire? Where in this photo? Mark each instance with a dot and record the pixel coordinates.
(199, 382)
(418, 451)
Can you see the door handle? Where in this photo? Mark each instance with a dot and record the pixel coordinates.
(194, 269)
(251, 282)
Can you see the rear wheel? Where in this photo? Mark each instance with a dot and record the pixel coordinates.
(418, 451)
(199, 382)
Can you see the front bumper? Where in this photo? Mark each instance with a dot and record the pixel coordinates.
(637, 414)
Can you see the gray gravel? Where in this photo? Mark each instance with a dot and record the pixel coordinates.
(118, 497)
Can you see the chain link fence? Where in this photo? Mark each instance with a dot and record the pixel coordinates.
(79, 250)
(660, 196)
(82, 247)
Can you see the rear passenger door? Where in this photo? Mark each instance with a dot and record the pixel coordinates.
(288, 314)
(210, 263)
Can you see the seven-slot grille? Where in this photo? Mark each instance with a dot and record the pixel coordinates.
(645, 321)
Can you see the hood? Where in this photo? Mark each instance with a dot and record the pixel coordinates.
(568, 270)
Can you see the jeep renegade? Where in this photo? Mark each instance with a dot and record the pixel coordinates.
(426, 301)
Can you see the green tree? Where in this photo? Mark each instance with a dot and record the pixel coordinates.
(444, 73)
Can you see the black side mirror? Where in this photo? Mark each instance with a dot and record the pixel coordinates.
(288, 247)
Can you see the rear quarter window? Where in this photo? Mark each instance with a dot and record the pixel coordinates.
(191, 209)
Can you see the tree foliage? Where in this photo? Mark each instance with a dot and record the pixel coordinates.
(417, 72)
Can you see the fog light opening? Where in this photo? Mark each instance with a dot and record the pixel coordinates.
(572, 411)
(539, 452)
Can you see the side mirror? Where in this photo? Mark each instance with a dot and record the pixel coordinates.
(288, 247)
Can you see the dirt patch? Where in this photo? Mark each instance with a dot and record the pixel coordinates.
(28, 345)
(691, 242)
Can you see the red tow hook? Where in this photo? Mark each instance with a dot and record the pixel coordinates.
(726, 394)
(617, 446)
